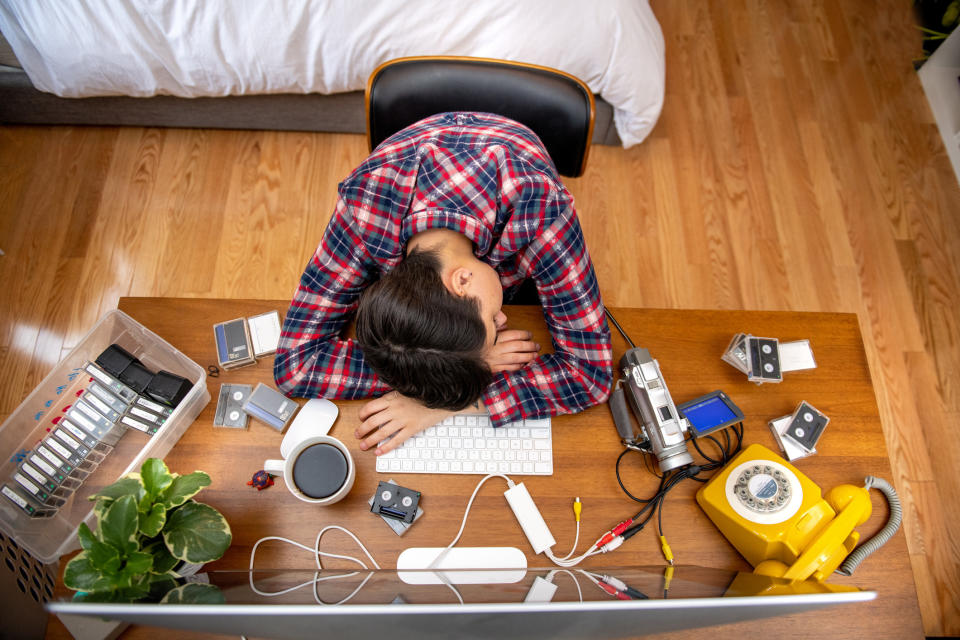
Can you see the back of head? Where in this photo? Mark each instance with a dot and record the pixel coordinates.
(421, 339)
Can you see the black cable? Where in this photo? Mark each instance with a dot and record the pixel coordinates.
(619, 328)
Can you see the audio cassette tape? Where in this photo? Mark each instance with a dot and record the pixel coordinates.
(393, 501)
(806, 426)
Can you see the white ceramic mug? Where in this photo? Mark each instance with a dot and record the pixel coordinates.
(316, 467)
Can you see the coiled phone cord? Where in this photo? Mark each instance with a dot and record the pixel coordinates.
(859, 554)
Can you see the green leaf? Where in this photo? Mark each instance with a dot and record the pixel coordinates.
(81, 575)
(86, 536)
(151, 523)
(100, 508)
(163, 560)
(155, 475)
(128, 485)
(194, 593)
(160, 585)
(119, 524)
(197, 533)
(138, 563)
(104, 557)
(184, 487)
(146, 503)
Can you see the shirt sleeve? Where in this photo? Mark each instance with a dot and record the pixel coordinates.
(579, 373)
(312, 358)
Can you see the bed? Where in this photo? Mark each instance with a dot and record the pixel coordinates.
(303, 64)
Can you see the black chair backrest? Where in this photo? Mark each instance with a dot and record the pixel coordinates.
(557, 106)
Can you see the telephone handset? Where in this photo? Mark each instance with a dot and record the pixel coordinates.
(777, 519)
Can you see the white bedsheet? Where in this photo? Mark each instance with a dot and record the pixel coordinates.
(193, 48)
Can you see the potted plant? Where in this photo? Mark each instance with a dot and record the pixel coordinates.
(147, 526)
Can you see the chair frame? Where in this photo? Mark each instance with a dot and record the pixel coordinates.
(507, 63)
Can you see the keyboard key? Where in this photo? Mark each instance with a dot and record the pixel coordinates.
(470, 444)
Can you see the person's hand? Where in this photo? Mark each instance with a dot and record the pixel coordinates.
(395, 416)
(513, 350)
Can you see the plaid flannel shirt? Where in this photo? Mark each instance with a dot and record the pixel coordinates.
(490, 179)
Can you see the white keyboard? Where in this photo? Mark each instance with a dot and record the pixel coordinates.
(469, 444)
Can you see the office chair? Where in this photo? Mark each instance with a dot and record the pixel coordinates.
(557, 106)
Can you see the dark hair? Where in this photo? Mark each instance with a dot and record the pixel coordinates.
(421, 339)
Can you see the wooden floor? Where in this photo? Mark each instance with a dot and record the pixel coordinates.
(795, 166)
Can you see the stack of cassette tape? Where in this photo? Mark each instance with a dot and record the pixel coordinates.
(798, 433)
(767, 359)
(241, 341)
(120, 393)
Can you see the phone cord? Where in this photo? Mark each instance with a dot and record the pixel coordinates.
(893, 523)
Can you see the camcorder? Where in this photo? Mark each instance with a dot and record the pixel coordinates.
(652, 422)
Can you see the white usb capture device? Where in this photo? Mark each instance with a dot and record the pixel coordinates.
(529, 518)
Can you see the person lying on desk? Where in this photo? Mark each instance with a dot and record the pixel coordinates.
(429, 234)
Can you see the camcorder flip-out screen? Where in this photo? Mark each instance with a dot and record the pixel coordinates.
(710, 413)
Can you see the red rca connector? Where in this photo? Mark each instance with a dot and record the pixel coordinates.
(612, 590)
(613, 533)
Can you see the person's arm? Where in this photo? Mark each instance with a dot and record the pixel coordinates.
(579, 373)
(312, 359)
(398, 418)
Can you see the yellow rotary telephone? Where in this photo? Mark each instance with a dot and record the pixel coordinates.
(777, 519)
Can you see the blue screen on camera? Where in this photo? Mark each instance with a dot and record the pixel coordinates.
(709, 415)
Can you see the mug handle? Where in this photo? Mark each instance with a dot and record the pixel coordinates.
(274, 467)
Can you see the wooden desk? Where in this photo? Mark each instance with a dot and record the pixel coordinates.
(687, 344)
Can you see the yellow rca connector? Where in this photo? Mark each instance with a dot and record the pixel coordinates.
(577, 506)
(667, 553)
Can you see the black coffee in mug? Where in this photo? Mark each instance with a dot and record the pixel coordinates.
(320, 470)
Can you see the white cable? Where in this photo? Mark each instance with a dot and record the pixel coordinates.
(572, 562)
(317, 555)
(466, 513)
(576, 541)
(554, 572)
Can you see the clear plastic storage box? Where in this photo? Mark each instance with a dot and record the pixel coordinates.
(50, 537)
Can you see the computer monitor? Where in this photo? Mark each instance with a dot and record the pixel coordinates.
(527, 603)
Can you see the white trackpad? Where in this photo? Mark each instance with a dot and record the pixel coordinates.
(478, 565)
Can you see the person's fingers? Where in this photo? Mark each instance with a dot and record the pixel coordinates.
(374, 406)
(518, 345)
(513, 334)
(506, 367)
(381, 434)
(373, 422)
(399, 437)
